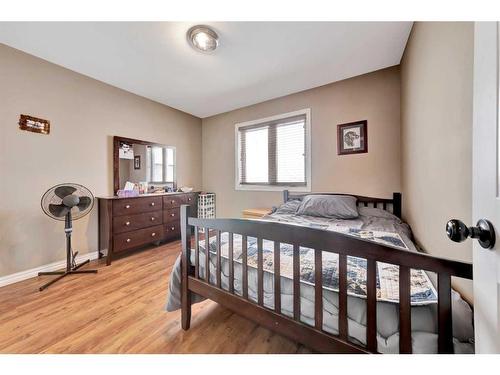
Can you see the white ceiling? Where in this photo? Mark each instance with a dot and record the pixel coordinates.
(255, 61)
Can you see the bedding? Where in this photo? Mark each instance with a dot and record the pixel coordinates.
(329, 206)
(372, 223)
(289, 207)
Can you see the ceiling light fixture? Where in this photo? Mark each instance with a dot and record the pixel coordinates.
(203, 38)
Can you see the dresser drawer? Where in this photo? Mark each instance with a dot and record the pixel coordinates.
(136, 205)
(128, 240)
(172, 230)
(172, 215)
(128, 223)
(173, 201)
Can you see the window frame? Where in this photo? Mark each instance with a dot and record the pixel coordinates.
(278, 186)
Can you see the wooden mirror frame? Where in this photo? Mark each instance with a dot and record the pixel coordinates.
(116, 158)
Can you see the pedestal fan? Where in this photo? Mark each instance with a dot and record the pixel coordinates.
(67, 202)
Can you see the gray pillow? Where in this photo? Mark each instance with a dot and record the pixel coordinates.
(377, 212)
(289, 207)
(330, 206)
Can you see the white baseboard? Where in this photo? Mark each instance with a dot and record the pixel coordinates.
(28, 274)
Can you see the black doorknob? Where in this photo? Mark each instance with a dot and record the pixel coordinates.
(483, 231)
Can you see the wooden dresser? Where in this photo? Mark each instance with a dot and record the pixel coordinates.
(129, 223)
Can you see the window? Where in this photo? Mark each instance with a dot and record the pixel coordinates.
(156, 164)
(170, 165)
(160, 164)
(274, 153)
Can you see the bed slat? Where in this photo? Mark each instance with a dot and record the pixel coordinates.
(185, 271)
(244, 265)
(371, 305)
(231, 263)
(318, 289)
(343, 296)
(196, 252)
(445, 325)
(260, 273)
(277, 278)
(404, 311)
(296, 282)
(218, 263)
(207, 255)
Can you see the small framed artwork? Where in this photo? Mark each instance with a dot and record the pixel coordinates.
(34, 124)
(137, 162)
(352, 138)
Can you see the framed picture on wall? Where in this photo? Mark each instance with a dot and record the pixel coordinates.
(352, 138)
(137, 162)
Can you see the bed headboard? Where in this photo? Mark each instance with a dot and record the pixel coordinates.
(392, 205)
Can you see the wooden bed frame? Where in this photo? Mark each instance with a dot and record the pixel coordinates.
(319, 240)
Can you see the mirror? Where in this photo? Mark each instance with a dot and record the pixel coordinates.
(144, 166)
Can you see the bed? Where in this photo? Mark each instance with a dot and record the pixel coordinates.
(336, 285)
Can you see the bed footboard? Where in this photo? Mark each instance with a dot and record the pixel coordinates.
(321, 241)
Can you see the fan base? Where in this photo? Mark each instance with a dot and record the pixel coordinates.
(62, 274)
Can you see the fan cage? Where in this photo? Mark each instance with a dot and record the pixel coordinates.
(49, 197)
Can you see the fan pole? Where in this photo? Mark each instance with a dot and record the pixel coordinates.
(68, 228)
(70, 270)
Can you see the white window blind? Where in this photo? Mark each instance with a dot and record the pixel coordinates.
(157, 163)
(273, 152)
(160, 164)
(170, 165)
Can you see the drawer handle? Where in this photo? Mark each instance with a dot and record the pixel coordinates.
(152, 203)
(189, 199)
(173, 228)
(152, 219)
(172, 202)
(127, 223)
(153, 234)
(127, 206)
(128, 240)
(172, 215)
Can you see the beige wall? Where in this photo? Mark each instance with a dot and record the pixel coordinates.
(436, 108)
(84, 115)
(374, 97)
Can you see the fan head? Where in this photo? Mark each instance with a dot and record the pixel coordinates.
(68, 197)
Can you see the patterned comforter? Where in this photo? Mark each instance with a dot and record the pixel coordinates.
(422, 290)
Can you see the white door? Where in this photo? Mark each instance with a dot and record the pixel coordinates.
(485, 185)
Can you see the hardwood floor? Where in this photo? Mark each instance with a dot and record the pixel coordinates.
(121, 310)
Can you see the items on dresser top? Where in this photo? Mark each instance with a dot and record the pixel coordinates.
(129, 223)
(127, 193)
